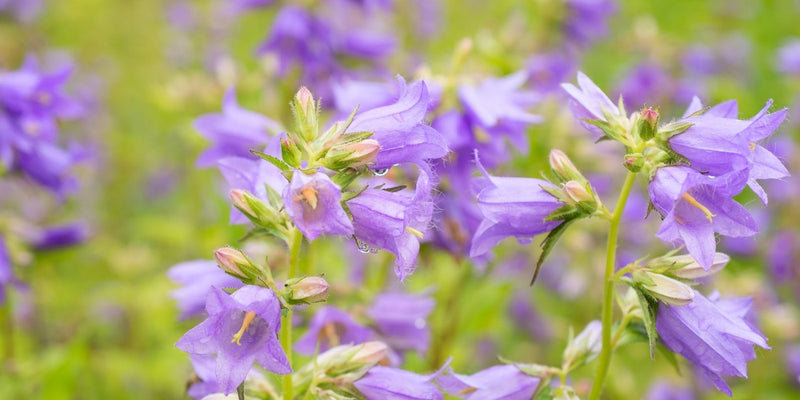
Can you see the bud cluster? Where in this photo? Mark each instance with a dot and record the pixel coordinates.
(574, 190)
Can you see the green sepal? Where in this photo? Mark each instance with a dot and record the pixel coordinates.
(544, 392)
(345, 177)
(394, 189)
(349, 195)
(548, 244)
(564, 212)
(272, 160)
(608, 130)
(672, 129)
(275, 198)
(649, 308)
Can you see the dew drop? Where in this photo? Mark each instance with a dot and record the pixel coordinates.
(380, 172)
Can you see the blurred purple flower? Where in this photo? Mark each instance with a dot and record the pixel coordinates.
(331, 327)
(386, 383)
(700, 60)
(713, 334)
(646, 83)
(694, 206)
(663, 390)
(547, 71)
(6, 272)
(196, 279)
(498, 382)
(782, 256)
(587, 20)
(313, 202)
(401, 320)
(23, 10)
(788, 57)
(241, 329)
(234, 132)
(792, 360)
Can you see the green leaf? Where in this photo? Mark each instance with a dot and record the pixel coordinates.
(670, 356)
(544, 393)
(548, 244)
(272, 160)
(649, 309)
(564, 212)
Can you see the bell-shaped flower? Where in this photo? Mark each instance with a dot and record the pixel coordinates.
(331, 327)
(401, 319)
(695, 206)
(196, 279)
(240, 329)
(313, 202)
(386, 383)
(511, 207)
(400, 128)
(587, 101)
(713, 334)
(497, 382)
(394, 222)
(718, 143)
(234, 132)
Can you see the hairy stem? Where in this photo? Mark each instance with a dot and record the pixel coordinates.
(286, 318)
(608, 288)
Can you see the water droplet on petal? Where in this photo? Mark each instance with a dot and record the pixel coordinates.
(380, 172)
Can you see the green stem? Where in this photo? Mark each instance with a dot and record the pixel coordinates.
(608, 288)
(286, 318)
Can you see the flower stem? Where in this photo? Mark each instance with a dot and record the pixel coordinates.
(608, 288)
(286, 317)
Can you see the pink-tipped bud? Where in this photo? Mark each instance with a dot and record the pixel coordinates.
(664, 288)
(563, 166)
(363, 152)
(239, 200)
(305, 100)
(577, 192)
(307, 290)
(372, 353)
(650, 116)
(693, 270)
(231, 261)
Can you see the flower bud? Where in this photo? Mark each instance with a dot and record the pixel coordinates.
(239, 200)
(290, 153)
(633, 162)
(666, 289)
(648, 123)
(352, 155)
(305, 115)
(577, 192)
(373, 352)
(693, 270)
(584, 347)
(305, 100)
(255, 209)
(306, 290)
(232, 261)
(563, 166)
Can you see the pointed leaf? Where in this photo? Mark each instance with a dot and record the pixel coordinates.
(649, 308)
(272, 160)
(548, 244)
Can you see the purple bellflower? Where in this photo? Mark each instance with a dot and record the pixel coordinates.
(196, 278)
(6, 272)
(646, 82)
(498, 382)
(56, 237)
(511, 207)
(241, 329)
(788, 57)
(547, 71)
(664, 390)
(313, 204)
(394, 222)
(713, 334)
(694, 206)
(331, 327)
(400, 128)
(718, 143)
(386, 383)
(401, 320)
(587, 20)
(234, 132)
(587, 101)
(23, 10)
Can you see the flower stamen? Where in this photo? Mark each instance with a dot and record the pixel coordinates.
(694, 202)
(248, 319)
(414, 232)
(309, 195)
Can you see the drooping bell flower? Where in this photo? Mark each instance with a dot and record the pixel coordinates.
(55, 237)
(331, 327)
(196, 279)
(587, 101)
(395, 222)
(313, 204)
(234, 132)
(695, 206)
(401, 320)
(713, 334)
(400, 128)
(497, 382)
(511, 207)
(241, 329)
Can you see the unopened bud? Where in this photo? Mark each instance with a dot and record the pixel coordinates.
(584, 347)
(305, 100)
(306, 290)
(577, 192)
(363, 152)
(239, 200)
(649, 123)
(305, 115)
(232, 261)
(290, 152)
(563, 166)
(633, 162)
(693, 270)
(373, 352)
(664, 288)
(255, 209)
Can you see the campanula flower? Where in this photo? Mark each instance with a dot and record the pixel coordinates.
(386, 383)
(313, 204)
(196, 279)
(240, 329)
(713, 334)
(587, 101)
(331, 327)
(497, 382)
(401, 319)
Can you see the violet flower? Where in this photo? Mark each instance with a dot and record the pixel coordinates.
(23, 10)
(587, 20)
(713, 334)
(587, 101)
(646, 82)
(331, 327)
(234, 132)
(547, 71)
(511, 207)
(788, 57)
(394, 222)
(196, 279)
(663, 390)
(400, 128)
(386, 383)
(695, 206)
(313, 202)
(6, 272)
(241, 329)
(401, 319)
(498, 382)
(55, 237)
